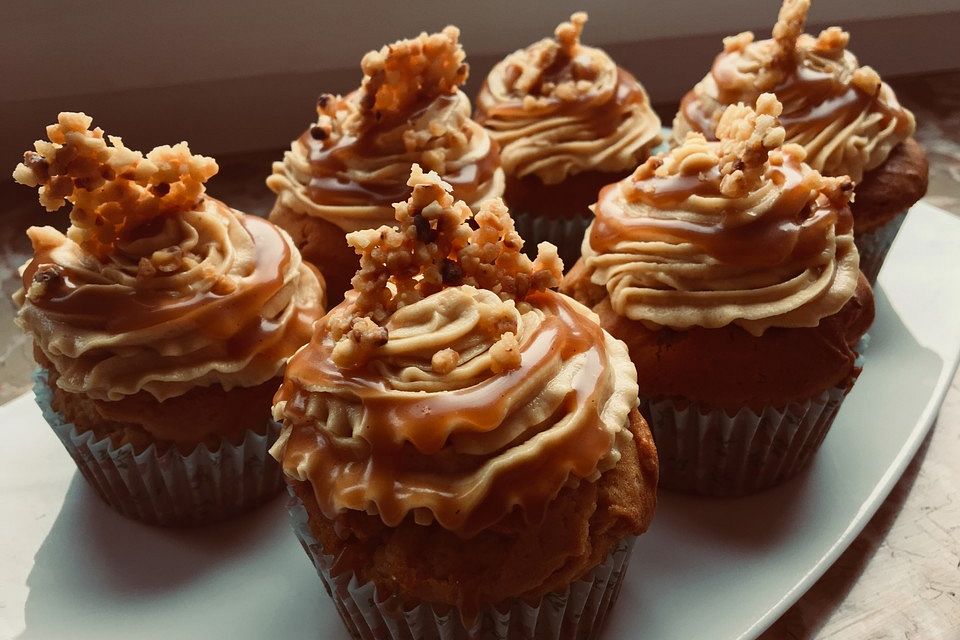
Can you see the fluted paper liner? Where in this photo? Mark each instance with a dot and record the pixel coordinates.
(712, 453)
(575, 613)
(874, 245)
(566, 233)
(170, 488)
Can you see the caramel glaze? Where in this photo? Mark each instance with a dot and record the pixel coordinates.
(825, 99)
(329, 162)
(605, 115)
(231, 319)
(794, 227)
(398, 430)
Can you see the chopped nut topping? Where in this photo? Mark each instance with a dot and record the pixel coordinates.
(750, 140)
(46, 273)
(434, 247)
(553, 68)
(445, 361)
(505, 354)
(113, 189)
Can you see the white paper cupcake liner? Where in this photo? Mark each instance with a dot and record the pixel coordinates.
(712, 453)
(566, 233)
(874, 245)
(170, 488)
(575, 613)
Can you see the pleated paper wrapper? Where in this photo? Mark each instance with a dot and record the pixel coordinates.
(709, 452)
(575, 613)
(170, 488)
(874, 245)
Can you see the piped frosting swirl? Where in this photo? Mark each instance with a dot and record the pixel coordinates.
(738, 231)
(155, 286)
(353, 163)
(559, 107)
(452, 385)
(844, 116)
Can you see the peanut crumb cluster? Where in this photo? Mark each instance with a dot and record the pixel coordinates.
(750, 140)
(399, 79)
(553, 69)
(114, 190)
(434, 247)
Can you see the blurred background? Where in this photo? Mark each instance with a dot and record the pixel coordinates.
(244, 75)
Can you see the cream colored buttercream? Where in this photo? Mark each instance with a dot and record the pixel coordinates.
(409, 110)
(558, 108)
(844, 116)
(183, 291)
(684, 269)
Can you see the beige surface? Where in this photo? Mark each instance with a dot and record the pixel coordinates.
(900, 579)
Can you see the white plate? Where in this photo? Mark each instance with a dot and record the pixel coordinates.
(724, 569)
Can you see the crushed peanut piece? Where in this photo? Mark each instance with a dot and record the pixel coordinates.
(432, 247)
(750, 141)
(114, 190)
(445, 361)
(553, 68)
(505, 354)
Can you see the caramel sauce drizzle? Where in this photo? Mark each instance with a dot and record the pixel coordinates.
(400, 429)
(826, 100)
(605, 116)
(793, 227)
(329, 164)
(233, 319)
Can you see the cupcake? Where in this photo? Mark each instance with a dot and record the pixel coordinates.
(454, 403)
(346, 171)
(730, 270)
(846, 118)
(161, 323)
(569, 121)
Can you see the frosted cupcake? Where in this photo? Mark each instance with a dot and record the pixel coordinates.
(730, 270)
(454, 403)
(161, 322)
(346, 171)
(846, 118)
(569, 121)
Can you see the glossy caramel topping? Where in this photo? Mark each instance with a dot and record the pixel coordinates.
(352, 165)
(845, 117)
(558, 108)
(736, 231)
(188, 297)
(451, 384)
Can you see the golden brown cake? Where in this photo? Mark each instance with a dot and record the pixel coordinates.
(847, 119)
(162, 321)
(346, 170)
(569, 121)
(729, 269)
(460, 436)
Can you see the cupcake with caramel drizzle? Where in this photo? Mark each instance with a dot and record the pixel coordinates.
(346, 171)
(569, 121)
(460, 435)
(847, 119)
(729, 269)
(162, 321)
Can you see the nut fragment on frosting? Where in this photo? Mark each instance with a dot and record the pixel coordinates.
(352, 164)
(558, 108)
(155, 287)
(433, 247)
(846, 118)
(452, 385)
(737, 231)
